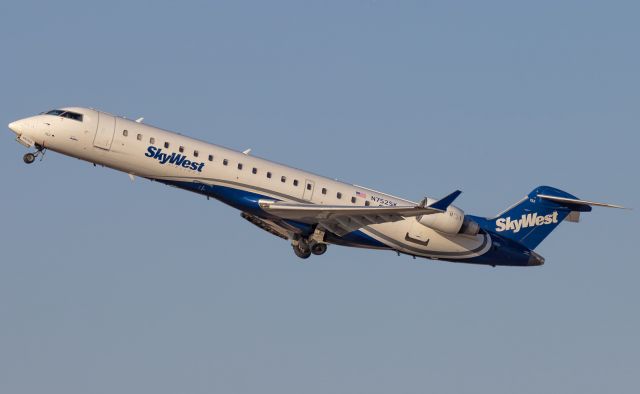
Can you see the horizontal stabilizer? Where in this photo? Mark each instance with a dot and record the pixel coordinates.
(443, 203)
(575, 201)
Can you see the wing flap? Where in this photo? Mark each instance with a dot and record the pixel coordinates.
(297, 211)
(267, 225)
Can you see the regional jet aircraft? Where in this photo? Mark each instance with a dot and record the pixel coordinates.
(308, 210)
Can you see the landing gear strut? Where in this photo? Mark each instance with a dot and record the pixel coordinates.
(31, 157)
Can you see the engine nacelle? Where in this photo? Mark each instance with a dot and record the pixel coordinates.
(452, 221)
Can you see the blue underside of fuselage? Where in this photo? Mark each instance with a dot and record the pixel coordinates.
(248, 202)
(507, 255)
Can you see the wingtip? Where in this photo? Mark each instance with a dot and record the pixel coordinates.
(443, 203)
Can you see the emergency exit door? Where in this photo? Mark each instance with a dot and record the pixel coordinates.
(309, 185)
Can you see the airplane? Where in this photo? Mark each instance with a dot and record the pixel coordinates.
(308, 210)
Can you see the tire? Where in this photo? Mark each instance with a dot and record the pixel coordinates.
(319, 249)
(303, 254)
(29, 158)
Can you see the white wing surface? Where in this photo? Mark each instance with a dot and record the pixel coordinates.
(342, 219)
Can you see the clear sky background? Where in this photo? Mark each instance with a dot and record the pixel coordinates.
(108, 286)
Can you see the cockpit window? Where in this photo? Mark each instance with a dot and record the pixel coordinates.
(72, 115)
(66, 114)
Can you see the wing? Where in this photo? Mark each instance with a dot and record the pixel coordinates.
(343, 219)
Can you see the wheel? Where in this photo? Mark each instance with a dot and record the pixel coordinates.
(29, 158)
(302, 253)
(318, 249)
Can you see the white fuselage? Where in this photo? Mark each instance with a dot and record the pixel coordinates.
(145, 151)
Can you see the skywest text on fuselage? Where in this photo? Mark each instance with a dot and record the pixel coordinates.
(173, 158)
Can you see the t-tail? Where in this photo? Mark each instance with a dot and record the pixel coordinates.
(533, 218)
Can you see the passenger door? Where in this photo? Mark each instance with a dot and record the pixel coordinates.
(105, 131)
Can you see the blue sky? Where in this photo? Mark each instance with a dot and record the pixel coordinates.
(111, 286)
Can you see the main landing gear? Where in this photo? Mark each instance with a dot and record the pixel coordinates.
(305, 247)
(301, 250)
(318, 249)
(31, 157)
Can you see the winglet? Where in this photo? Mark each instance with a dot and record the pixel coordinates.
(443, 203)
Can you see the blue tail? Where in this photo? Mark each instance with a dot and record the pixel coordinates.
(533, 218)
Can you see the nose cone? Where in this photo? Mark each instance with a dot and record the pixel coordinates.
(15, 127)
(18, 127)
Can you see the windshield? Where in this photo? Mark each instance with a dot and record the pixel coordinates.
(65, 114)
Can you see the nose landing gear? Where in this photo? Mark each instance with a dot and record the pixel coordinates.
(31, 157)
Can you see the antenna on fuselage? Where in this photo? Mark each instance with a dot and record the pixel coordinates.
(139, 120)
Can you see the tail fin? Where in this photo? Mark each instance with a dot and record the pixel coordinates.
(538, 214)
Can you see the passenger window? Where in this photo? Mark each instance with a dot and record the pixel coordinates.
(125, 132)
(210, 157)
(268, 175)
(181, 149)
(367, 203)
(308, 186)
(295, 182)
(254, 170)
(324, 190)
(353, 200)
(239, 166)
(152, 140)
(139, 137)
(225, 162)
(166, 145)
(195, 153)
(283, 179)
(339, 195)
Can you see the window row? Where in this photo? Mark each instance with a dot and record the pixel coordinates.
(240, 166)
(152, 141)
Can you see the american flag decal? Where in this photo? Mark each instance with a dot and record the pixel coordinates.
(361, 195)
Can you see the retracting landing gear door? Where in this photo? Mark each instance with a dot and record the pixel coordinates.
(105, 131)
